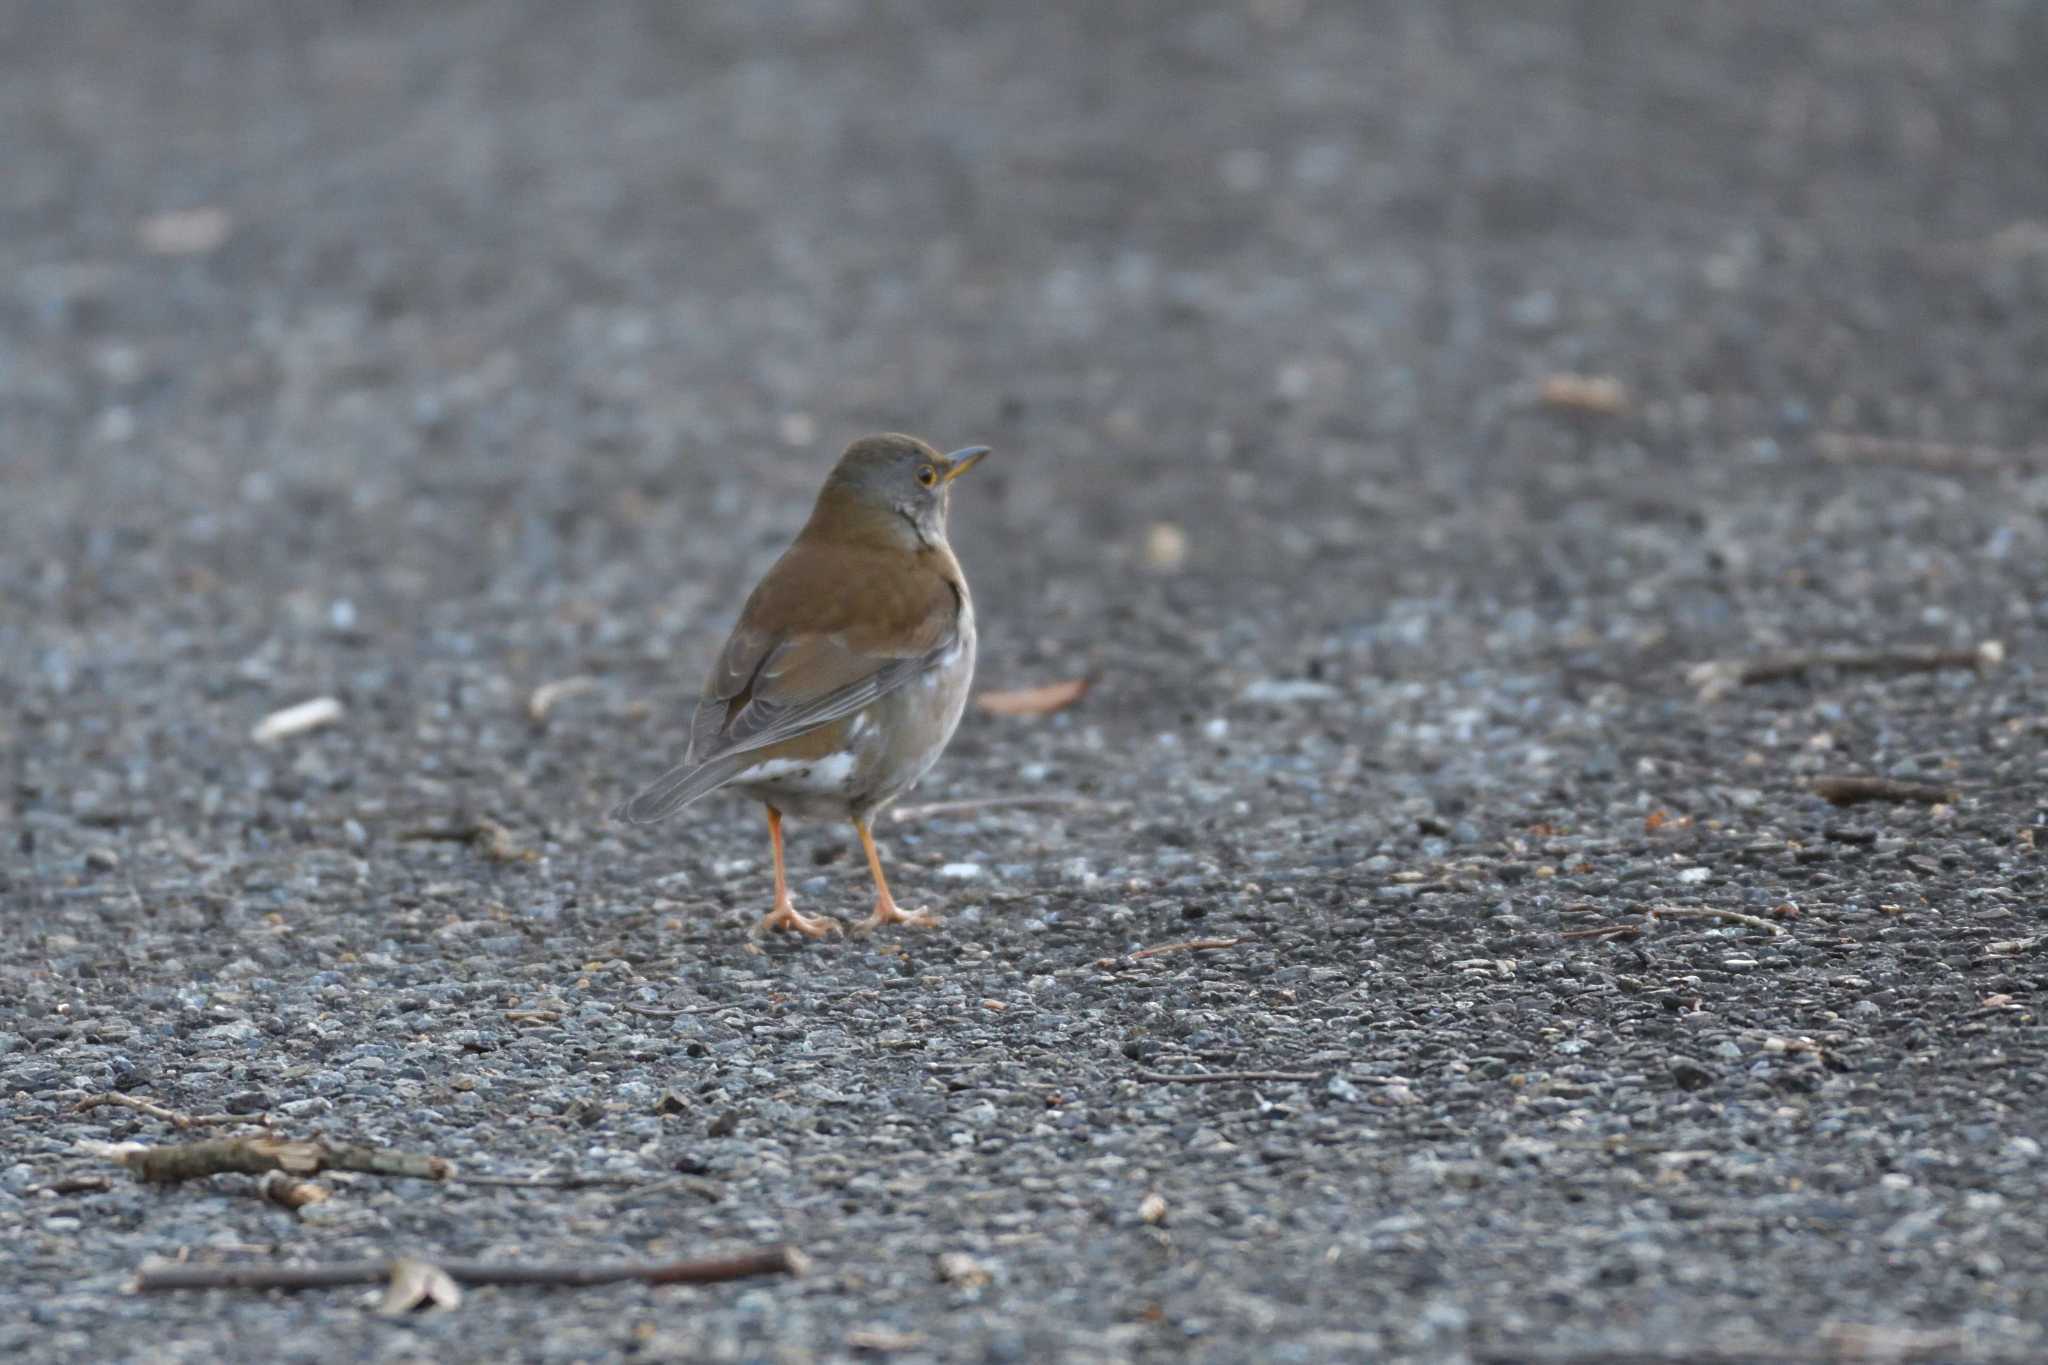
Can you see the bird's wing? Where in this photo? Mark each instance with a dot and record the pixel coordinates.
(824, 635)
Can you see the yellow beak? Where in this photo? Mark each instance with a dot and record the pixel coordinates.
(960, 461)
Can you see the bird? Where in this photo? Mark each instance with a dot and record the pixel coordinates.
(848, 670)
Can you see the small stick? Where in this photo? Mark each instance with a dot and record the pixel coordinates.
(1192, 945)
(157, 1111)
(657, 1012)
(438, 834)
(1870, 1341)
(1941, 457)
(1847, 791)
(1224, 1077)
(255, 1155)
(483, 833)
(780, 1260)
(1718, 676)
(1715, 912)
(985, 802)
(1605, 931)
(550, 1182)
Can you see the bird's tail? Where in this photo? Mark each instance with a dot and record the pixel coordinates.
(676, 788)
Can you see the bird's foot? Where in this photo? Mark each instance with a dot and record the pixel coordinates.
(888, 912)
(785, 916)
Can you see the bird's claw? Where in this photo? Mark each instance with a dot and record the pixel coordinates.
(888, 913)
(786, 917)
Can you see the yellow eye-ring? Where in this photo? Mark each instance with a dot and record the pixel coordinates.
(927, 476)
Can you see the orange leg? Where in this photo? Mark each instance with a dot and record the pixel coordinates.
(784, 915)
(885, 904)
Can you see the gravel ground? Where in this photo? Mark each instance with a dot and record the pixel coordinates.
(421, 356)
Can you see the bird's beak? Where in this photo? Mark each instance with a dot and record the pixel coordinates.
(960, 461)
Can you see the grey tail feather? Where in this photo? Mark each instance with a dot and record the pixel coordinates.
(676, 788)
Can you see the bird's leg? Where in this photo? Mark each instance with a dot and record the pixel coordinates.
(885, 904)
(784, 915)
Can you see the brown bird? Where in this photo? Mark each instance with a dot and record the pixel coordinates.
(849, 667)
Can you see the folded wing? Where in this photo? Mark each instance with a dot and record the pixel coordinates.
(801, 657)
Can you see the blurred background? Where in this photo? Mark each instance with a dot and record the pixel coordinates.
(424, 355)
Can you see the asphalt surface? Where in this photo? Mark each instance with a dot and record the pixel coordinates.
(423, 356)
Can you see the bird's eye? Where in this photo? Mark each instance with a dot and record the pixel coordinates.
(926, 475)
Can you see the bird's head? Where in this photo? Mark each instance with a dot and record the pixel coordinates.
(894, 486)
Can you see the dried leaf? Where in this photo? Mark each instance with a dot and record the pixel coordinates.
(418, 1284)
(282, 1190)
(1034, 701)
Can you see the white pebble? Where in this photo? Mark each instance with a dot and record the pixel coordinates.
(1166, 546)
(296, 720)
(1280, 691)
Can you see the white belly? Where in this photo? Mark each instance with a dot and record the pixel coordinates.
(879, 764)
(930, 704)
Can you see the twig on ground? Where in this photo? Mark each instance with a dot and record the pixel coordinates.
(550, 1182)
(255, 1155)
(1605, 931)
(1715, 912)
(1717, 677)
(657, 1012)
(1847, 791)
(1870, 1341)
(1938, 457)
(484, 834)
(73, 1184)
(1050, 799)
(780, 1260)
(1192, 945)
(170, 1116)
(1224, 1077)
(708, 1190)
